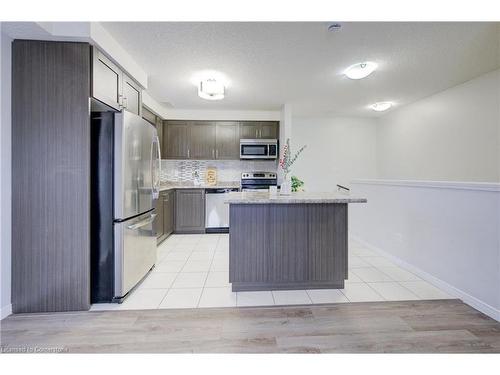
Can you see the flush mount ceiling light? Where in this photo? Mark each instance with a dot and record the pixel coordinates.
(360, 70)
(334, 27)
(381, 106)
(211, 89)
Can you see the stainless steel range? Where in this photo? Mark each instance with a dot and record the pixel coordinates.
(251, 181)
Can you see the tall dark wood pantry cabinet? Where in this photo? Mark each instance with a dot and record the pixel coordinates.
(50, 176)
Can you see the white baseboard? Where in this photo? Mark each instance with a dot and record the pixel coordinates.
(450, 289)
(5, 311)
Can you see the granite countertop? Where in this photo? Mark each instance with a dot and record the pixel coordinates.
(299, 197)
(190, 185)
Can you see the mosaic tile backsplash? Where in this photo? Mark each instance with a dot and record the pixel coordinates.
(228, 170)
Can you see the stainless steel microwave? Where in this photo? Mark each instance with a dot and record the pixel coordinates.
(259, 149)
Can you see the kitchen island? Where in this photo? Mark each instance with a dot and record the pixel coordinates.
(298, 241)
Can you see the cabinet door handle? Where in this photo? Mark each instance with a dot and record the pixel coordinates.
(213, 153)
(256, 133)
(188, 153)
(125, 102)
(217, 153)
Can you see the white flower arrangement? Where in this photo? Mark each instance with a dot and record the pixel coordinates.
(287, 160)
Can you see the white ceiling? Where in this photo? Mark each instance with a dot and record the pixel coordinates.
(269, 64)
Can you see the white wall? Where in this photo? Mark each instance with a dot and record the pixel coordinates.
(285, 133)
(5, 177)
(447, 233)
(338, 151)
(453, 135)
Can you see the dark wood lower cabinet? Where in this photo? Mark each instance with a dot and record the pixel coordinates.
(179, 211)
(168, 213)
(164, 221)
(158, 223)
(190, 211)
(287, 246)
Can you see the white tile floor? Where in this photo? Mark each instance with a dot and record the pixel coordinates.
(193, 271)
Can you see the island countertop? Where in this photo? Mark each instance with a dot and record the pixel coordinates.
(250, 197)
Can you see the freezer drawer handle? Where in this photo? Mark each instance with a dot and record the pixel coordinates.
(142, 223)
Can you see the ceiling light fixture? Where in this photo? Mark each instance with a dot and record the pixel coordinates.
(211, 89)
(381, 106)
(360, 70)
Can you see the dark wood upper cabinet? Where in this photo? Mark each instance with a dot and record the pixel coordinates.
(106, 80)
(131, 95)
(227, 140)
(268, 130)
(148, 115)
(259, 130)
(111, 88)
(164, 140)
(190, 211)
(158, 123)
(249, 130)
(212, 140)
(176, 140)
(202, 140)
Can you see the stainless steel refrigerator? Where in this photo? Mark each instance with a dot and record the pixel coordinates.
(125, 182)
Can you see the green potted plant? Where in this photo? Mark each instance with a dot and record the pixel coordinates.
(297, 185)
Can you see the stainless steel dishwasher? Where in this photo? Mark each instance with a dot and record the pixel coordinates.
(216, 211)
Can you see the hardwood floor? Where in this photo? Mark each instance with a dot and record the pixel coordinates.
(439, 326)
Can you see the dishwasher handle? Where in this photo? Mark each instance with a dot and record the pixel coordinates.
(220, 191)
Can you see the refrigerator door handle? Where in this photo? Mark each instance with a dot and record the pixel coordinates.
(155, 168)
(159, 161)
(158, 145)
(151, 163)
